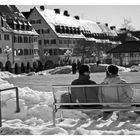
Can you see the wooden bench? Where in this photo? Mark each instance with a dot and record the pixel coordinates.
(118, 105)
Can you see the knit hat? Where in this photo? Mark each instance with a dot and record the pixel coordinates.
(83, 69)
(112, 69)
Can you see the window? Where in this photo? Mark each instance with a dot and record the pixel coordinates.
(30, 39)
(45, 31)
(35, 39)
(30, 51)
(0, 50)
(15, 39)
(6, 37)
(53, 41)
(25, 39)
(60, 41)
(40, 42)
(50, 52)
(39, 21)
(74, 42)
(46, 42)
(20, 52)
(55, 52)
(32, 21)
(65, 41)
(0, 36)
(36, 51)
(19, 39)
(25, 51)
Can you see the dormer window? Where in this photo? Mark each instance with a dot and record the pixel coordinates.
(67, 29)
(63, 29)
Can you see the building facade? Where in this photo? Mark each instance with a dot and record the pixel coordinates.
(18, 41)
(59, 32)
(126, 54)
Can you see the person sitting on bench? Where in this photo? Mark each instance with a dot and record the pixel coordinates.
(114, 93)
(84, 94)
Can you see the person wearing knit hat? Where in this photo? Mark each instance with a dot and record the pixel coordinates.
(114, 93)
(112, 70)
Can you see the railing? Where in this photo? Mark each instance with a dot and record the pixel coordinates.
(17, 102)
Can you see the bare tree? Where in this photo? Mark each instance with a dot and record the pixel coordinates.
(84, 48)
(127, 24)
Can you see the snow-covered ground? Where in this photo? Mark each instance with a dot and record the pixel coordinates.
(35, 117)
(68, 69)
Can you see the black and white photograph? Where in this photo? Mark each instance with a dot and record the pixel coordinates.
(69, 69)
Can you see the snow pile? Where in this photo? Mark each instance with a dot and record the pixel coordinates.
(32, 103)
(6, 74)
(123, 69)
(57, 70)
(135, 68)
(102, 68)
(35, 117)
(125, 124)
(68, 69)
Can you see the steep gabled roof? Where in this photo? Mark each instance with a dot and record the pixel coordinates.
(12, 15)
(59, 19)
(127, 47)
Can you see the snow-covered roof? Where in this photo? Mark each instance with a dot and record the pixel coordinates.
(59, 19)
(11, 15)
(24, 32)
(107, 30)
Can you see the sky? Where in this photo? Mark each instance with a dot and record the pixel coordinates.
(112, 14)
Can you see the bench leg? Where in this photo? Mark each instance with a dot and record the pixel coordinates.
(61, 116)
(53, 115)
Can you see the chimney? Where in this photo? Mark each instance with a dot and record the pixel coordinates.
(66, 13)
(98, 22)
(31, 9)
(112, 27)
(77, 17)
(42, 7)
(57, 11)
(106, 24)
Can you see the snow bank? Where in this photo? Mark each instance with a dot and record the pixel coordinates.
(6, 74)
(68, 69)
(57, 70)
(35, 117)
(102, 68)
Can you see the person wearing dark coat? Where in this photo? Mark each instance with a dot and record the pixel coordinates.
(74, 68)
(84, 94)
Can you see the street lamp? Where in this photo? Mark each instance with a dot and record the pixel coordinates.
(67, 55)
(7, 52)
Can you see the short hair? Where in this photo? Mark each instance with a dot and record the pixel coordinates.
(83, 69)
(112, 69)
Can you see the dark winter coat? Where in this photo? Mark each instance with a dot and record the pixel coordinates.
(84, 94)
